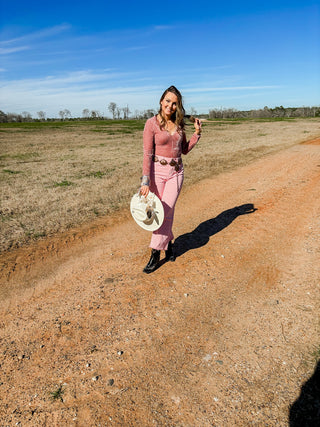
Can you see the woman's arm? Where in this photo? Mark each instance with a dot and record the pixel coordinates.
(188, 145)
(148, 148)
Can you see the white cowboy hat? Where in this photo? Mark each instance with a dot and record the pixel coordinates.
(147, 211)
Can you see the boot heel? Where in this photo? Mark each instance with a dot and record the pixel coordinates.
(170, 256)
(153, 261)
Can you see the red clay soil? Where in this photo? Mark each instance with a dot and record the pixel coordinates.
(225, 336)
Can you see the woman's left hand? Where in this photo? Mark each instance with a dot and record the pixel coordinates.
(144, 190)
(197, 126)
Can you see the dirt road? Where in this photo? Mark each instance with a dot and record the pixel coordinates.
(225, 336)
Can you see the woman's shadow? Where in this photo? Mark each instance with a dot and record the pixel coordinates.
(200, 236)
(305, 412)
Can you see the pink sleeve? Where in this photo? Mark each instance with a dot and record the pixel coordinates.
(188, 145)
(148, 147)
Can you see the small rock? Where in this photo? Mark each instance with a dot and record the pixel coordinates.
(95, 378)
(111, 382)
(93, 349)
(120, 352)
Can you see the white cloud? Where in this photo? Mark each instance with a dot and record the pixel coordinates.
(133, 48)
(163, 27)
(76, 91)
(75, 80)
(18, 44)
(229, 88)
(41, 34)
(7, 50)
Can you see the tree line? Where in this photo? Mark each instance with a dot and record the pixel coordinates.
(265, 113)
(118, 113)
(124, 113)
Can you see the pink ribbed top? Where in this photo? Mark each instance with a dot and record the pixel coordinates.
(164, 143)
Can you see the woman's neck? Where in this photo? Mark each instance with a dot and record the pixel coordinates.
(165, 119)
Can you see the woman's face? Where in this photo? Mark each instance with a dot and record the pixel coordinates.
(169, 104)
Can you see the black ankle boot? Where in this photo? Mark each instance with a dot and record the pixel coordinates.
(153, 261)
(169, 253)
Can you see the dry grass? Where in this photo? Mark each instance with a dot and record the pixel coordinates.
(54, 177)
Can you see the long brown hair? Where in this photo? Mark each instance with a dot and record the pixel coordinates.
(178, 116)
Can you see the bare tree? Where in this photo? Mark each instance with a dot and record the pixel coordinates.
(26, 116)
(146, 114)
(13, 117)
(137, 114)
(67, 114)
(41, 115)
(95, 114)
(3, 117)
(126, 112)
(112, 107)
(86, 113)
(62, 114)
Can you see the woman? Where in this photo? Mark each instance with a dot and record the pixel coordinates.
(164, 140)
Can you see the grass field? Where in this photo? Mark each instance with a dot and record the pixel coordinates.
(58, 175)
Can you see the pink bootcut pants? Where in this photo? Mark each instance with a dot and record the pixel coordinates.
(166, 183)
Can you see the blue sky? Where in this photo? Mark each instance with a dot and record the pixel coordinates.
(76, 55)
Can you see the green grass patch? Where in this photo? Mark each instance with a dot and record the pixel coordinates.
(275, 119)
(316, 354)
(57, 394)
(119, 127)
(11, 171)
(98, 174)
(19, 156)
(114, 131)
(35, 235)
(250, 119)
(63, 183)
(130, 125)
(223, 122)
(37, 125)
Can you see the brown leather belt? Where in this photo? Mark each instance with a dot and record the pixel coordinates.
(173, 163)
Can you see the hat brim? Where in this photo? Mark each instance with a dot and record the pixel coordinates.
(156, 220)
